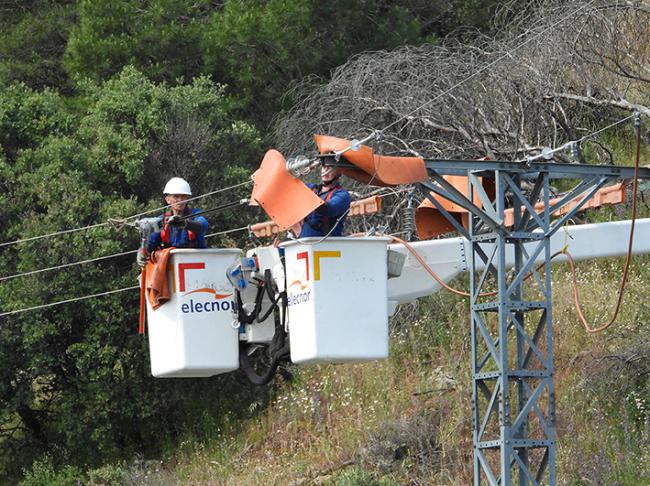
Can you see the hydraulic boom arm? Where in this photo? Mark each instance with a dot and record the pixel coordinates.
(450, 256)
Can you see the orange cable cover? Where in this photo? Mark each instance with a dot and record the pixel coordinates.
(380, 170)
(284, 198)
(610, 195)
(430, 222)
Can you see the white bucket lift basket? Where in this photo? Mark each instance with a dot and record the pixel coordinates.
(192, 334)
(337, 299)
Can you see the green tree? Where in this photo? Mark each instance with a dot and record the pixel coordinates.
(75, 382)
(256, 48)
(33, 37)
(159, 37)
(259, 48)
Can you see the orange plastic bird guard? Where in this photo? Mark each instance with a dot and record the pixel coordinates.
(284, 198)
(429, 222)
(606, 196)
(377, 170)
(288, 200)
(382, 170)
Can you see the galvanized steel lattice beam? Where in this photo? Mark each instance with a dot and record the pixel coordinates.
(513, 393)
(513, 413)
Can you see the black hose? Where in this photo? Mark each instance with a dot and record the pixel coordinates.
(242, 315)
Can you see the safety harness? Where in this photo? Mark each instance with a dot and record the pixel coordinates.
(165, 234)
(325, 225)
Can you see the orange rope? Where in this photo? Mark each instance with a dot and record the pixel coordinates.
(143, 283)
(628, 259)
(431, 272)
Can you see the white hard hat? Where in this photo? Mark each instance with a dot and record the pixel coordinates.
(176, 185)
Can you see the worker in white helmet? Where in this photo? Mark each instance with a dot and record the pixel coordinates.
(179, 228)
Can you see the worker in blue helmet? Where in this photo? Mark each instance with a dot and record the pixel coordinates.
(328, 219)
(179, 228)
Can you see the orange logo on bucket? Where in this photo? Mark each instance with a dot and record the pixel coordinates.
(298, 283)
(318, 255)
(183, 267)
(209, 291)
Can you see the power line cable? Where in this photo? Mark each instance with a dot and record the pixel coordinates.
(19, 311)
(368, 138)
(162, 208)
(374, 134)
(101, 294)
(612, 125)
(576, 297)
(129, 252)
(546, 154)
(589, 135)
(66, 265)
(105, 257)
(488, 66)
(225, 232)
(471, 76)
(355, 144)
(233, 204)
(33, 238)
(116, 221)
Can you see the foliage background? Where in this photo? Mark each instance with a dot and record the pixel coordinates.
(100, 103)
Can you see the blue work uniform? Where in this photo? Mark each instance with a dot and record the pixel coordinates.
(330, 215)
(177, 236)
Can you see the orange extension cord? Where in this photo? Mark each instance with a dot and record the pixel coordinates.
(576, 295)
(628, 259)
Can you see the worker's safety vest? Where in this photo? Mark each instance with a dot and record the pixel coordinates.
(165, 234)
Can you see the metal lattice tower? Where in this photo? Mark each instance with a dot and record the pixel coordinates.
(513, 405)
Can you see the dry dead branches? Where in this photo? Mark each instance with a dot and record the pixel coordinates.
(557, 71)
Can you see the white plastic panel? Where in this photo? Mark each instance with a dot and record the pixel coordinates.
(338, 301)
(192, 335)
(449, 257)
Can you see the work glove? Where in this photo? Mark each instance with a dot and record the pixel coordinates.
(142, 258)
(194, 226)
(322, 209)
(176, 220)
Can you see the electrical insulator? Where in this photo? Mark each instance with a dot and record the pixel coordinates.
(576, 154)
(408, 217)
(300, 165)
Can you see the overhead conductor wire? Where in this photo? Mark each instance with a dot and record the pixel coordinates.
(75, 299)
(101, 294)
(374, 134)
(486, 67)
(581, 139)
(564, 251)
(223, 189)
(113, 221)
(115, 255)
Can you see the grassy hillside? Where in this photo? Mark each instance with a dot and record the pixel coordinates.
(407, 420)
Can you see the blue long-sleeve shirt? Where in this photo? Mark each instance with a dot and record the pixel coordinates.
(321, 221)
(178, 237)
